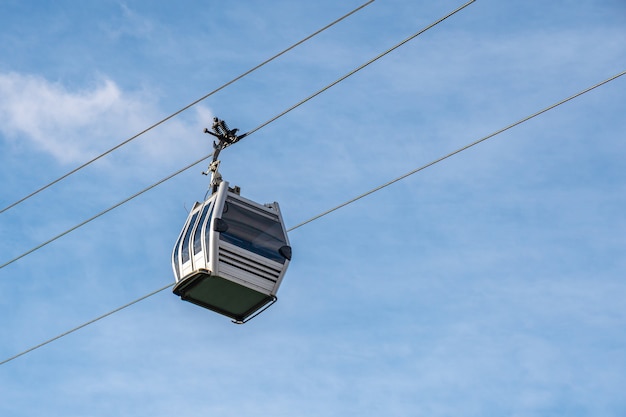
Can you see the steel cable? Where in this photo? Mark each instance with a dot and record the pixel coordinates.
(373, 190)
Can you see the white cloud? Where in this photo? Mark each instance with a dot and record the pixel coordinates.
(75, 125)
(69, 125)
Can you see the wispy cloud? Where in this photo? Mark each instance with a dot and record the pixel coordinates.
(75, 125)
(67, 124)
(130, 23)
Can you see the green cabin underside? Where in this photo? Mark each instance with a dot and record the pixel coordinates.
(221, 295)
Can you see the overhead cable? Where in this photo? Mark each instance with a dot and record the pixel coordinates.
(352, 200)
(61, 178)
(376, 58)
(245, 135)
(85, 324)
(497, 132)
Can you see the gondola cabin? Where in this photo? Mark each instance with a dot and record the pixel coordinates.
(231, 255)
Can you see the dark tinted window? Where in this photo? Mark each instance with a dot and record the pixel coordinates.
(175, 255)
(251, 230)
(197, 235)
(185, 248)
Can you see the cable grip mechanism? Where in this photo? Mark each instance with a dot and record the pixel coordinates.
(225, 137)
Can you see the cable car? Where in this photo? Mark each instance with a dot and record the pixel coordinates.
(232, 253)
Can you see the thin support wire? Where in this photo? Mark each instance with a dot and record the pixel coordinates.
(380, 187)
(126, 200)
(183, 109)
(85, 324)
(512, 125)
(416, 34)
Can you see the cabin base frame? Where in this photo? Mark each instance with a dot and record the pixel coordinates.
(223, 296)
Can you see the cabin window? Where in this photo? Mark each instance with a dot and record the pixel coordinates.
(185, 248)
(175, 256)
(197, 235)
(253, 230)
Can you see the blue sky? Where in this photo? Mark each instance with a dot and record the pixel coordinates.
(492, 283)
